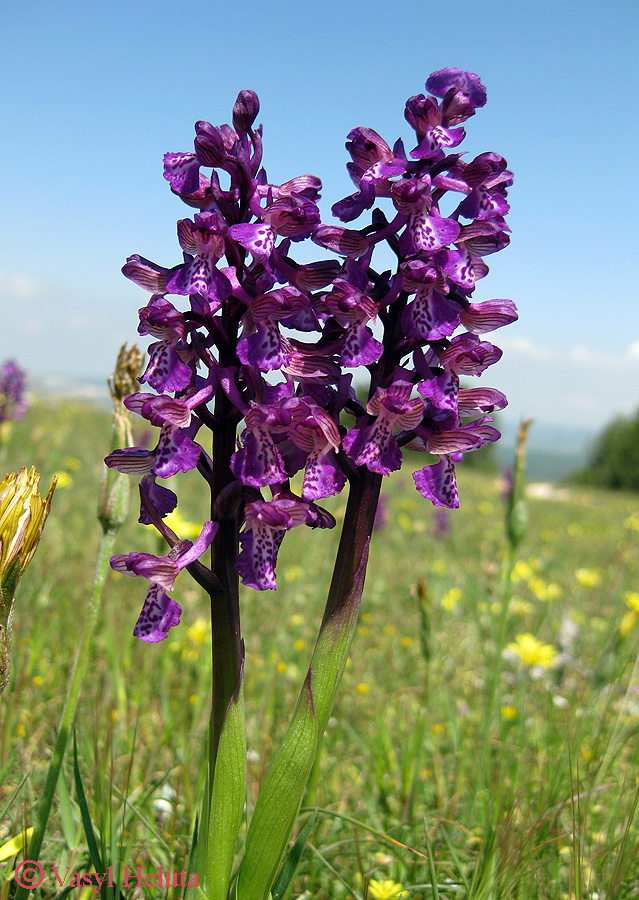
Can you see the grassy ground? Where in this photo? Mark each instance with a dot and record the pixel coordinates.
(462, 760)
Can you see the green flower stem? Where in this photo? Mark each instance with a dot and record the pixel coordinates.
(345, 592)
(281, 795)
(71, 701)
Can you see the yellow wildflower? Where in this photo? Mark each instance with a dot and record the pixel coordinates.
(451, 598)
(22, 517)
(297, 619)
(632, 522)
(362, 688)
(631, 599)
(197, 631)
(588, 578)
(385, 890)
(281, 668)
(532, 652)
(182, 527)
(628, 622)
(300, 644)
(366, 618)
(509, 713)
(64, 479)
(522, 571)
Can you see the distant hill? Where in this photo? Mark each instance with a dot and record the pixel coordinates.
(553, 451)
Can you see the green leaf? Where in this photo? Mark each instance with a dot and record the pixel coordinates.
(92, 844)
(292, 860)
(66, 813)
(279, 801)
(228, 796)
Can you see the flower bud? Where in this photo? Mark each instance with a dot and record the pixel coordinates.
(245, 111)
(22, 517)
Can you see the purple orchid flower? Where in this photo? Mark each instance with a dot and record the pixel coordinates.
(266, 347)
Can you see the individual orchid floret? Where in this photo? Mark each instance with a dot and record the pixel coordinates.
(478, 318)
(353, 308)
(163, 570)
(451, 83)
(159, 614)
(258, 462)
(488, 178)
(314, 432)
(373, 445)
(167, 370)
(438, 484)
(203, 243)
(266, 524)
(263, 348)
(176, 451)
(425, 116)
(467, 355)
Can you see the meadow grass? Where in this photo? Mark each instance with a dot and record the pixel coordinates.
(451, 766)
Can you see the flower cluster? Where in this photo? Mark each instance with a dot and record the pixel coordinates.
(270, 347)
(12, 386)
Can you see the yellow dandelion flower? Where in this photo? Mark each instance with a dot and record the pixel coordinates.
(522, 571)
(539, 588)
(632, 522)
(362, 630)
(509, 713)
(628, 622)
(64, 479)
(362, 688)
(631, 599)
(389, 630)
(451, 598)
(193, 699)
(437, 728)
(438, 567)
(37, 680)
(533, 652)
(407, 641)
(21, 731)
(197, 631)
(588, 578)
(366, 618)
(297, 619)
(281, 668)
(385, 890)
(553, 591)
(300, 644)
(182, 527)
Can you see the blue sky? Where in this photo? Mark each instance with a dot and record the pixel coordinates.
(95, 94)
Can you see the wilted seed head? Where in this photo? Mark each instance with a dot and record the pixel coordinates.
(245, 111)
(127, 368)
(22, 517)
